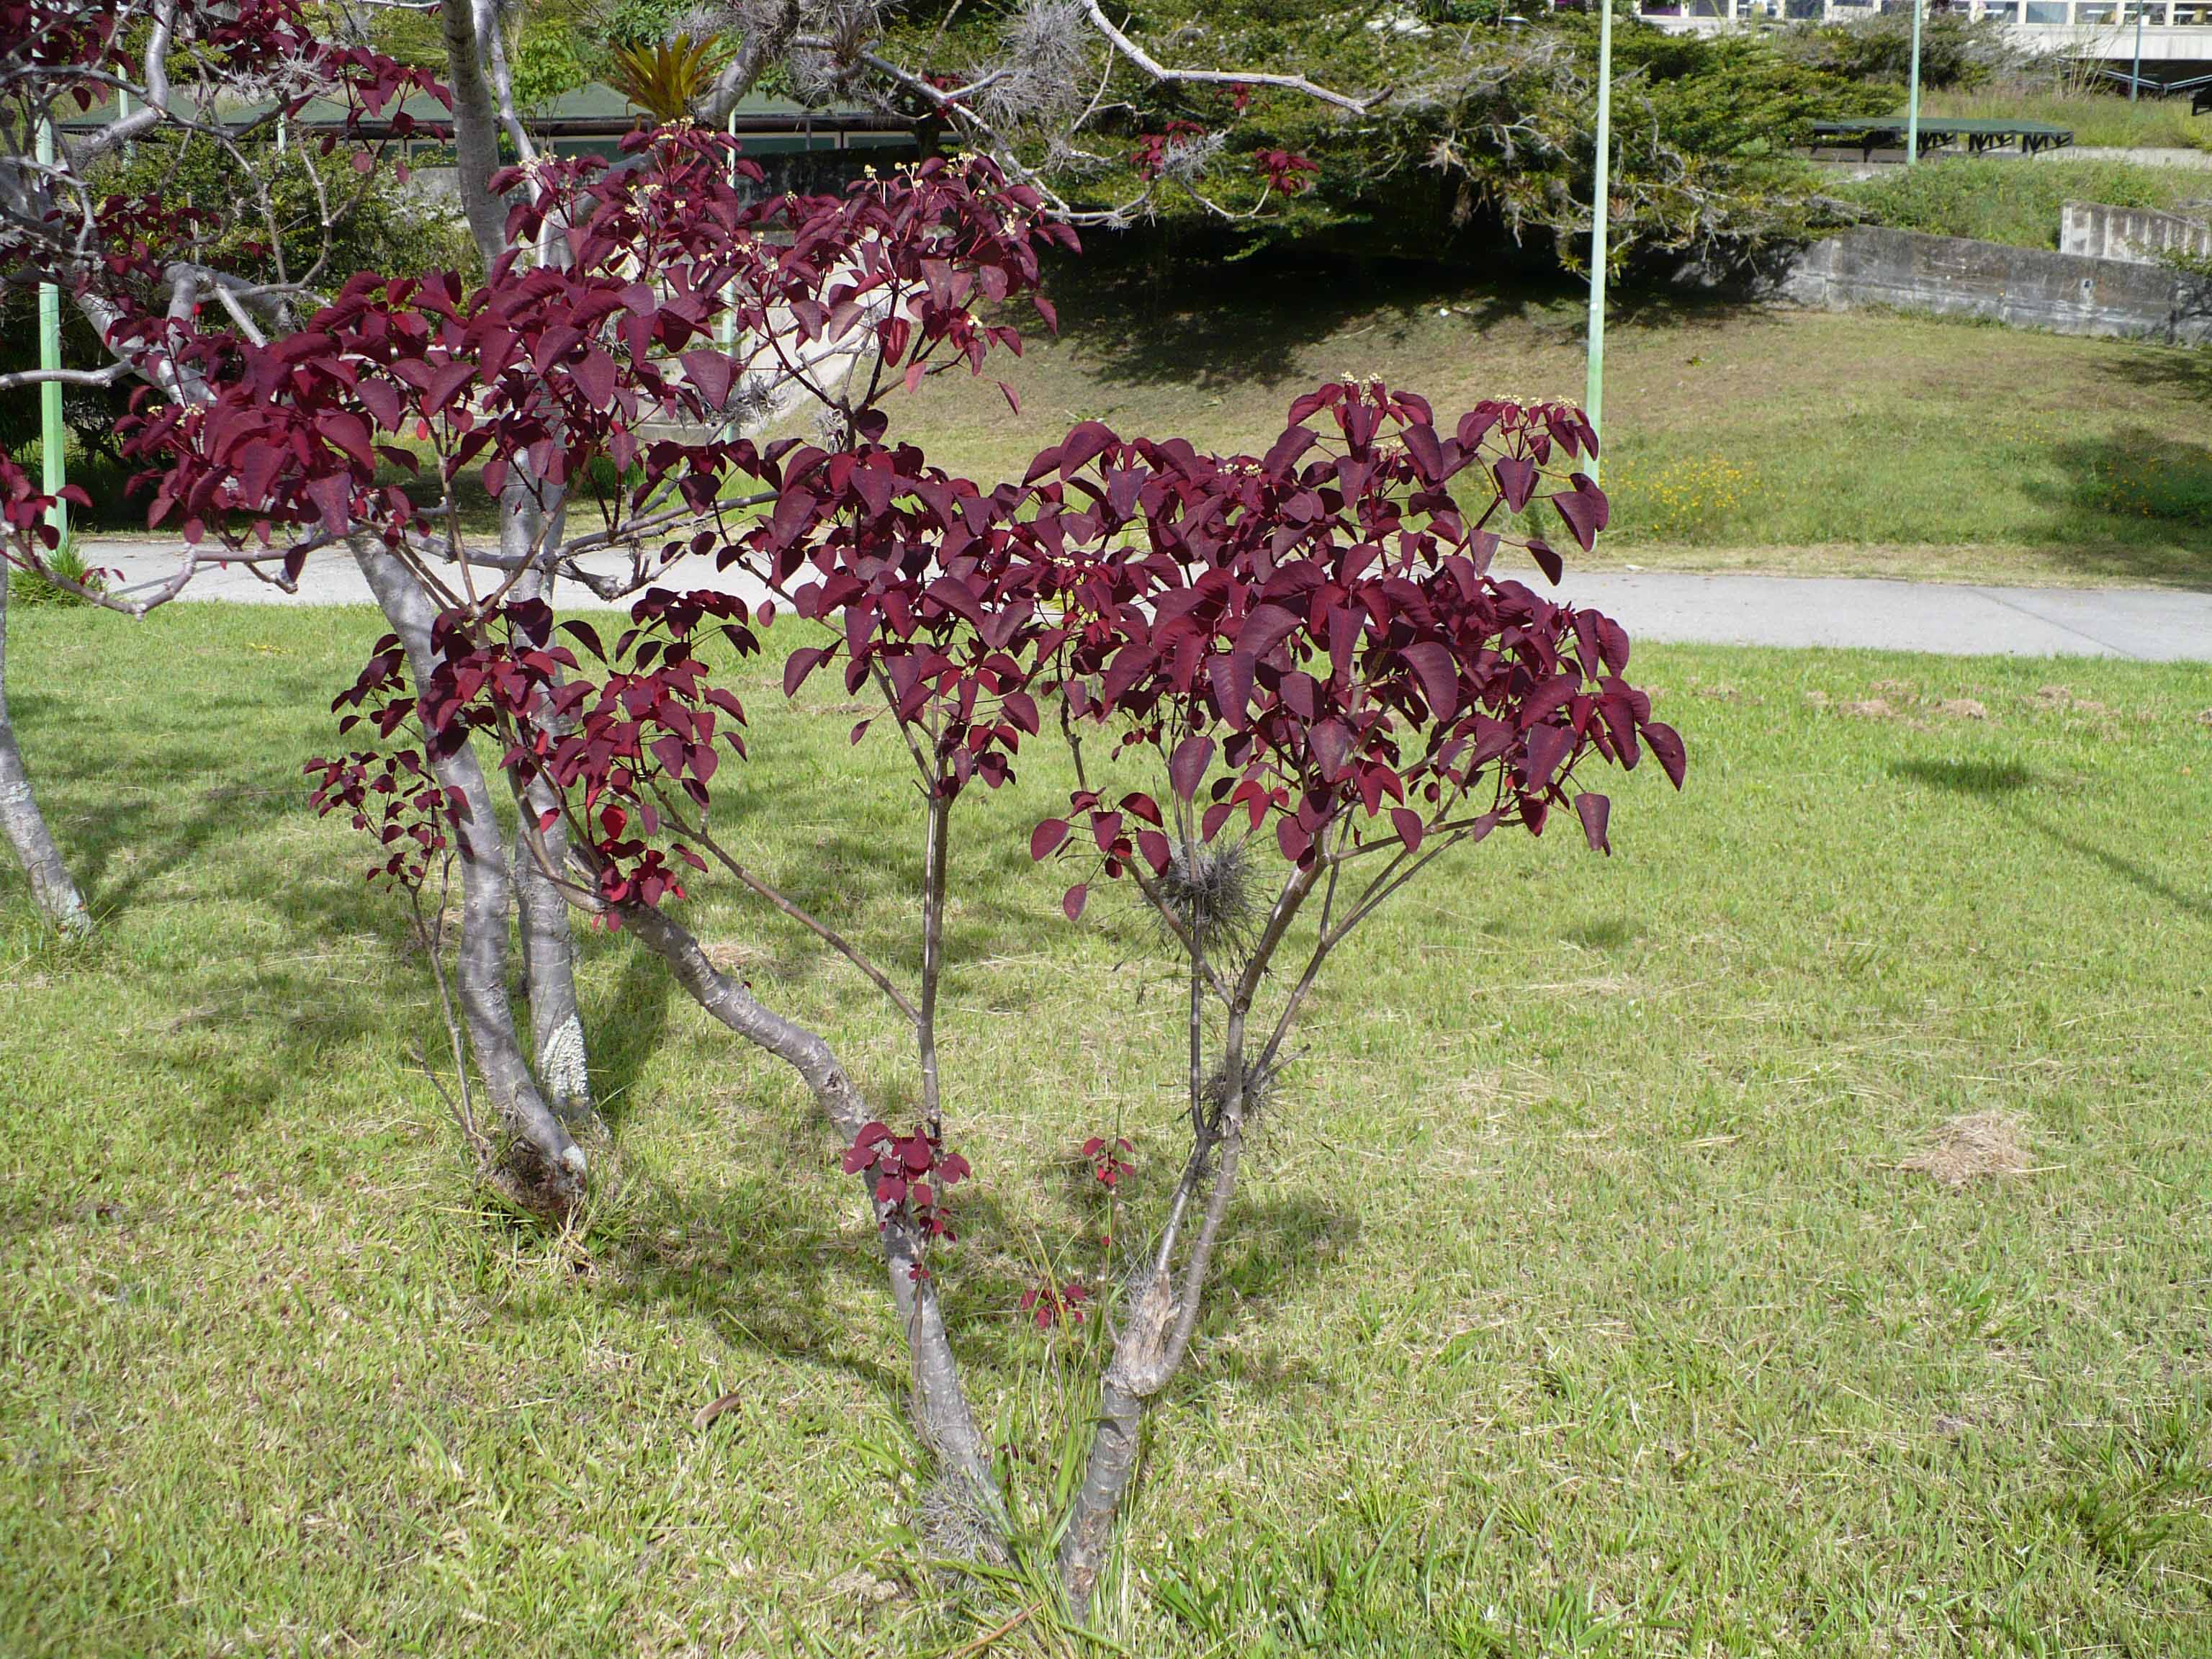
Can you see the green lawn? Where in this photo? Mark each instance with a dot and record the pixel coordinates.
(1579, 1301)
(1743, 436)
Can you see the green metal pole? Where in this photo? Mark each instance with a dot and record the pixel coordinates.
(1912, 102)
(728, 330)
(2135, 80)
(1600, 210)
(52, 435)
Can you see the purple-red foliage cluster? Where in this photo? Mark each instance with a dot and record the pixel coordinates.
(1313, 642)
(1106, 1159)
(1312, 648)
(1048, 1304)
(387, 791)
(907, 1175)
(79, 53)
(546, 367)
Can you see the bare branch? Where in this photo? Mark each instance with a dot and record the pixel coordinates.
(1160, 72)
(107, 376)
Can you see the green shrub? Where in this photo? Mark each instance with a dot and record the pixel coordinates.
(1954, 51)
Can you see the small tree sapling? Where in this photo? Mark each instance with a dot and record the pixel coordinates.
(1337, 692)
(1312, 645)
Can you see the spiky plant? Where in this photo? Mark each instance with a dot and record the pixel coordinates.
(667, 80)
(1208, 888)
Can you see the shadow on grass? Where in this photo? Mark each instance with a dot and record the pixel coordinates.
(1274, 1248)
(1218, 326)
(1603, 934)
(865, 883)
(762, 1262)
(2001, 781)
(1992, 780)
(139, 804)
(626, 1028)
(2139, 876)
(2133, 483)
(2185, 370)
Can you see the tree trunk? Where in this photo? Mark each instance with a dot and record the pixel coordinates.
(476, 131)
(940, 1405)
(1149, 1350)
(56, 895)
(545, 1168)
(549, 966)
(548, 946)
(1106, 1477)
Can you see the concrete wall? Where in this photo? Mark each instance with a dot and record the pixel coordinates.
(2138, 234)
(2065, 293)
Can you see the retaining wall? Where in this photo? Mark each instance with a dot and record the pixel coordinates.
(2035, 288)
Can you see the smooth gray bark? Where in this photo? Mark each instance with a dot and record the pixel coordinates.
(938, 1404)
(56, 895)
(549, 966)
(549, 945)
(476, 128)
(547, 1168)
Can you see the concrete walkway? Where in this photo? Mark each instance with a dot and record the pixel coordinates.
(1946, 618)
(1949, 618)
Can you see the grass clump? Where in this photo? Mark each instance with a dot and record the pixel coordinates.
(29, 587)
(2099, 120)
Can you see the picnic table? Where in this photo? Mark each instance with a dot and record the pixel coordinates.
(1869, 133)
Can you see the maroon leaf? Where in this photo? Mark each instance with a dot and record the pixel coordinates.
(1428, 455)
(1593, 810)
(1586, 510)
(1666, 746)
(1517, 480)
(798, 666)
(1084, 444)
(1187, 769)
(1438, 674)
(1547, 746)
(711, 373)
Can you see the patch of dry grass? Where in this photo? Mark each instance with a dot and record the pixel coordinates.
(1975, 1146)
